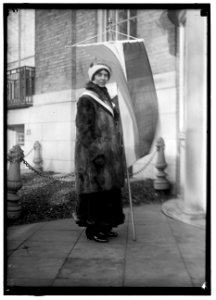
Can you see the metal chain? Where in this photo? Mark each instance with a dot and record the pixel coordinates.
(29, 152)
(146, 165)
(72, 174)
(43, 175)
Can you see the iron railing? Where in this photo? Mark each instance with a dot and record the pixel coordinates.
(20, 87)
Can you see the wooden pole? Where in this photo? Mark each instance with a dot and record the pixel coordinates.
(129, 191)
(131, 207)
(128, 184)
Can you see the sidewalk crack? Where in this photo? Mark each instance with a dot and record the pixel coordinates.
(181, 256)
(66, 258)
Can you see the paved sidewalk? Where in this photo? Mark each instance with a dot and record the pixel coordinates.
(166, 253)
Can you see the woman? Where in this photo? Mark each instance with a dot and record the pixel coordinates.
(99, 159)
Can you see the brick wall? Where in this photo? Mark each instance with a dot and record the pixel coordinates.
(52, 59)
(159, 35)
(59, 68)
(86, 27)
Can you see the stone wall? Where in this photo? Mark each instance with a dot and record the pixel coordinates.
(51, 122)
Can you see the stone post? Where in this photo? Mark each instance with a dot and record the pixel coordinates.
(161, 182)
(37, 156)
(14, 182)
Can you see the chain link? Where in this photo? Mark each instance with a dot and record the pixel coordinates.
(46, 176)
(146, 165)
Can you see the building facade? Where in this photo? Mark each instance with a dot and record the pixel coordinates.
(47, 73)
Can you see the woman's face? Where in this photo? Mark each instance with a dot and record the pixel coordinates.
(101, 78)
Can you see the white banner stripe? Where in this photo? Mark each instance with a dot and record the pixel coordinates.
(91, 94)
(128, 133)
(117, 49)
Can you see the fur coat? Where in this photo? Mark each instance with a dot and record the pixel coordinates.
(99, 157)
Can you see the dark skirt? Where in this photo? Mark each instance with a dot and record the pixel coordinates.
(102, 209)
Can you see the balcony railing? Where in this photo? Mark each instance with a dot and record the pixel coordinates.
(20, 87)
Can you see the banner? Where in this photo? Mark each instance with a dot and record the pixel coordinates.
(137, 97)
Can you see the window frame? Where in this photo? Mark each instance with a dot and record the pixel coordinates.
(19, 130)
(103, 23)
(21, 59)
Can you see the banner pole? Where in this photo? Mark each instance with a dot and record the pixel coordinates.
(129, 187)
(131, 207)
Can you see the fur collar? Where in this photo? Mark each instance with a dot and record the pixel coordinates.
(102, 92)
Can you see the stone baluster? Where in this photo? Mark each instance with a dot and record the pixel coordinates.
(14, 182)
(161, 182)
(37, 156)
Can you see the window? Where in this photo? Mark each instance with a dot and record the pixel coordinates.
(123, 23)
(16, 135)
(20, 57)
(20, 87)
(21, 38)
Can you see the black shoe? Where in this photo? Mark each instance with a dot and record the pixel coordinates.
(101, 238)
(111, 234)
(96, 236)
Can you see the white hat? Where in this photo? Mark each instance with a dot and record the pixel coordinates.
(95, 68)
